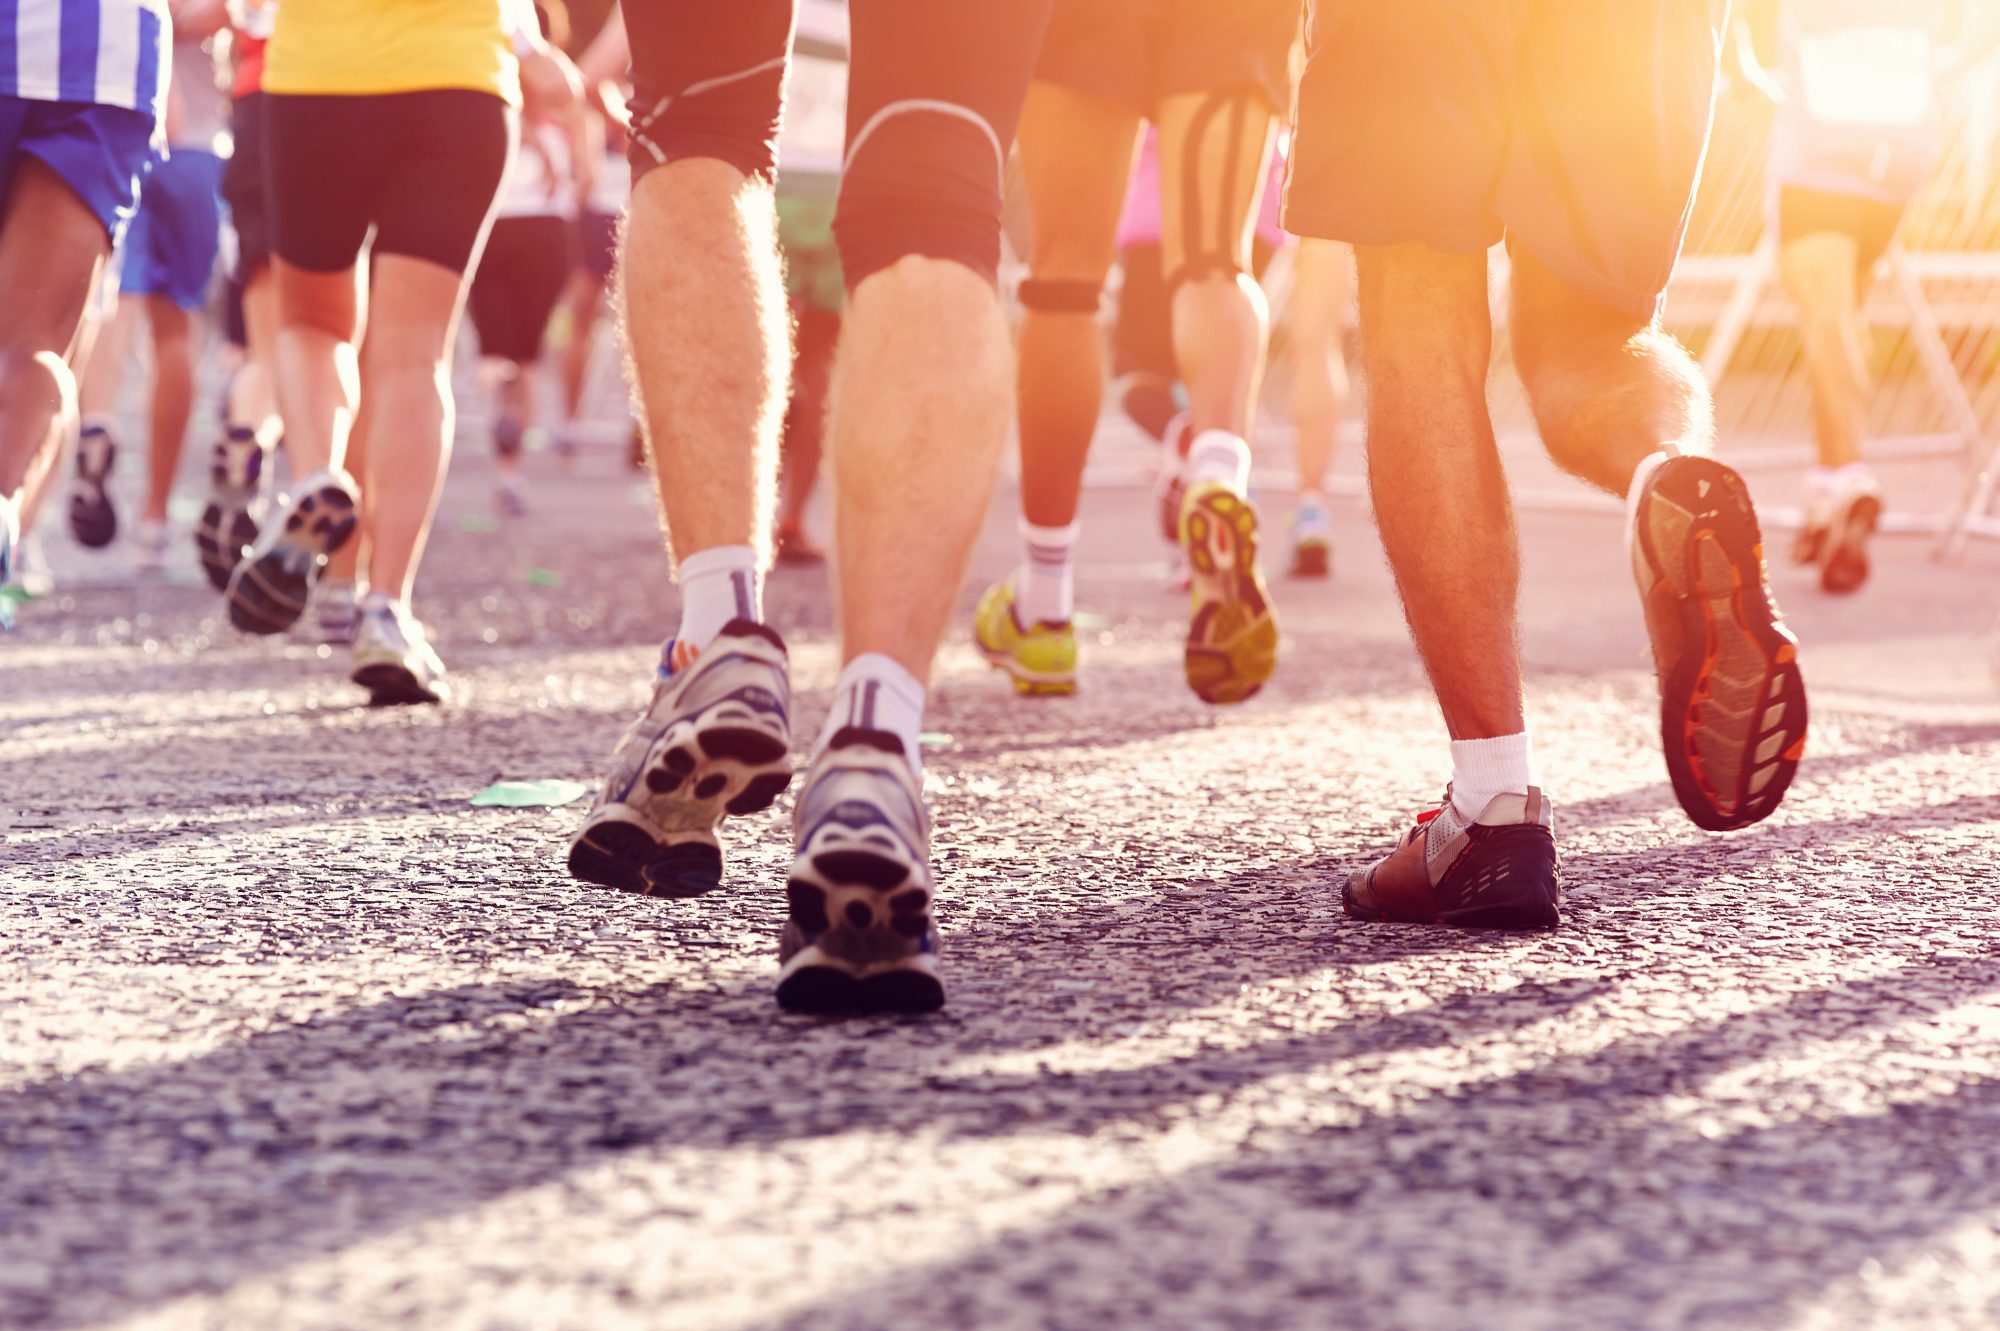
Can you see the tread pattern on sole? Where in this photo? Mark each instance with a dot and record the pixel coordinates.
(1232, 644)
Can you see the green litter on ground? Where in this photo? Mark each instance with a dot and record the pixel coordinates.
(478, 522)
(549, 793)
(935, 739)
(544, 577)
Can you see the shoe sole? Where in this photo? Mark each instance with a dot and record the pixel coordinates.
(220, 539)
(697, 775)
(1843, 560)
(92, 519)
(864, 906)
(1518, 888)
(392, 684)
(1232, 644)
(1733, 712)
(268, 594)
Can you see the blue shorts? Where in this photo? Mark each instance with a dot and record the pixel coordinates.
(170, 250)
(101, 152)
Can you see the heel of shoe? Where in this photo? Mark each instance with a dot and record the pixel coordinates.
(1517, 885)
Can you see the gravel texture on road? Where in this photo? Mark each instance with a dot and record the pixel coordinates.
(293, 1037)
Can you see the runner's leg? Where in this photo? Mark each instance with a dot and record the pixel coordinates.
(51, 247)
(173, 400)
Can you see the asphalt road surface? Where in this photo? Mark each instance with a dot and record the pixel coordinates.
(293, 1037)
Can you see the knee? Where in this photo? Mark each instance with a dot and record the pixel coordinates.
(1422, 311)
(922, 179)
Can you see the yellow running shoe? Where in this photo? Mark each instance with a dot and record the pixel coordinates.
(1232, 644)
(1040, 659)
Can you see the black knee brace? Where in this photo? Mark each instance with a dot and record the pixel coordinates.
(731, 117)
(922, 176)
(1054, 295)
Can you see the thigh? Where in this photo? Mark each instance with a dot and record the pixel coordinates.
(1322, 292)
(51, 246)
(1612, 113)
(1099, 47)
(1214, 147)
(1553, 321)
(1403, 120)
(100, 153)
(437, 189)
(1076, 156)
(708, 80)
(323, 161)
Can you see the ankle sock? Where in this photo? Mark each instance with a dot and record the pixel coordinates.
(1484, 768)
(1217, 455)
(717, 585)
(875, 692)
(1045, 588)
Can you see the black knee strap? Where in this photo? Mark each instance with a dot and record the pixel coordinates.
(1054, 295)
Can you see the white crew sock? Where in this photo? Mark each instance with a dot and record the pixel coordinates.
(1217, 455)
(1045, 588)
(1483, 768)
(1819, 481)
(1640, 474)
(717, 585)
(875, 692)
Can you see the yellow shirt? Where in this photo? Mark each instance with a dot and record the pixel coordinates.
(383, 46)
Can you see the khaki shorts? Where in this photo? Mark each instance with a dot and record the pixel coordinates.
(1572, 128)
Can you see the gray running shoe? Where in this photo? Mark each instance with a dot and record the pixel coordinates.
(269, 589)
(860, 936)
(92, 519)
(393, 659)
(226, 528)
(715, 741)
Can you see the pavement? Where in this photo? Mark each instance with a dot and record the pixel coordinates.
(292, 1036)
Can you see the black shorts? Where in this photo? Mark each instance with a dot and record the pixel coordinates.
(521, 276)
(1573, 130)
(1140, 52)
(243, 188)
(597, 236)
(1871, 223)
(419, 169)
(933, 96)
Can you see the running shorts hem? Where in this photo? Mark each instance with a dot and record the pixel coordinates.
(102, 153)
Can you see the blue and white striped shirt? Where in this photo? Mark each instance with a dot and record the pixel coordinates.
(111, 52)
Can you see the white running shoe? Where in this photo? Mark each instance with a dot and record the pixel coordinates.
(150, 557)
(336, 609)
(860, 936)
(392, 658)
(715, 741)
(268, 591)
(10, 548)
(227, 526)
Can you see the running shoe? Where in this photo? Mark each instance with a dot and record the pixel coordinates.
(1170, 483)
(1732, 700)
(336, 610)
(393, 659)
(150, 558)
(1496, 871)
(1040, 659)
(793, 546)
(1232, 644)
(226, 528)
(715, 741)
(92, 519)
(269, 589)
(860, 936)
(1312, 542)
(10, 546)
(1853, 510)
(32, 577)
(508, 500)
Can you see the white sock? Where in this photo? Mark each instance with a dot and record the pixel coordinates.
(875, 692)
(1045, 589)
(1217, 455)
(717, 585)
(1819, 481)
(1484, 768)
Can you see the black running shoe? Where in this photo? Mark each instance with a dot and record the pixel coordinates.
(1732, 700)
(92, 519)
(1496, 871)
